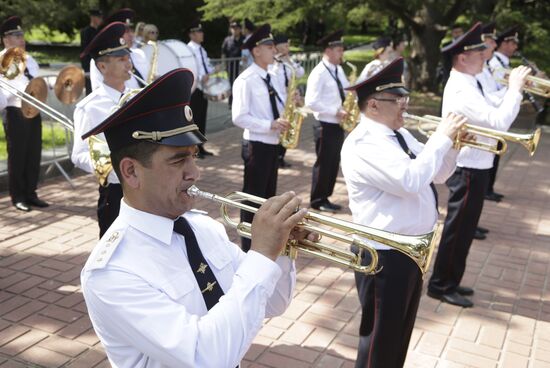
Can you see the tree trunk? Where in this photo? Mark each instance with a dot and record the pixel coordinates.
(425, 56)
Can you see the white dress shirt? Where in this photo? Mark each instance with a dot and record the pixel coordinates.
(251, 108)
(246, 56)
(322, 94)
(145, 304)
(371, 68)
(139, 61)
(88, 114)
(491, 90)
(462, 96)
(387, 189)
(497, 62)
(280, 69)
(20, 82)
(198, 50)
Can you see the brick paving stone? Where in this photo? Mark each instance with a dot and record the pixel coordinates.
(42, 253)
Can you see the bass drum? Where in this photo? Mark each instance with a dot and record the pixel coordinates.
(172, 54)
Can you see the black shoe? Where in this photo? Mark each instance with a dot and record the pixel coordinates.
(204, 152)
(37, 202)
(335, 206)
(22, 206)
(453, 298)
(283, 164)
(482, 230)
(326, 207)
(463, 290)
(479, 235)
(493, 197)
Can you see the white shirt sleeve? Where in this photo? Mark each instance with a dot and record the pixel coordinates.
(177, 338)
(480, 112)
(240, 109)
(399, 174)
(81, 154)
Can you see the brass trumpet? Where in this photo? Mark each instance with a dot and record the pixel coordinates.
(535, 85)
(530, 140)
(419, 248)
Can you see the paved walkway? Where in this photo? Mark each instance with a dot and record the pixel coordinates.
(43, 320)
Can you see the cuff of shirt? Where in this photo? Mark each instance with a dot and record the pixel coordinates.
(440, 141)
(261, 270)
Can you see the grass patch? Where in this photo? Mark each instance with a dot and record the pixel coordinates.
(44, 34)
(50, 138)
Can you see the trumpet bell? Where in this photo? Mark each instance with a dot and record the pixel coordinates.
(12, 62)
(38, 89)
(69, 84)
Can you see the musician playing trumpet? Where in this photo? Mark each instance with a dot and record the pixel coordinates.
(389, 177)
(468, 184)
(23, 135)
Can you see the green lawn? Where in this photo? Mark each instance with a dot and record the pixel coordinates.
(50, 138)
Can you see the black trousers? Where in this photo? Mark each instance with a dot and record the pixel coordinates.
(108, 206)
(24, 143)
(233, 73)
(493, 172)
(389, 302)
(467, 190)
(260, 175)
(328, 144)
(199, 105)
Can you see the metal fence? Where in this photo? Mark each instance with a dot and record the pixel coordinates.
(53, 156)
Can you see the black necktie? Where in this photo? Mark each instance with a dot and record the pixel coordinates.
(405, 148)
(273, 96)
(480, 87)
(209, 286)
(202, 58)
(339, 83)
(28, 74)
(286, 77)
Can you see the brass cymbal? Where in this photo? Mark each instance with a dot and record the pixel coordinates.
(69, 84)
(39, 90)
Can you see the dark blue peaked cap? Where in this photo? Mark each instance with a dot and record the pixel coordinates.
(160, 114)
(389, 80)
(261, 36)
(469, 41)
(108, 42)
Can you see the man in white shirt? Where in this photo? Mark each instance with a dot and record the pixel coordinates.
(389, 177)
(139, 61)
(113, 59)
(325, 95)
(469, 182)
(248, 29)
(257, 105)
(283, 68)
(506, 44)
(23, 135)
(199, 103)
(165, 287)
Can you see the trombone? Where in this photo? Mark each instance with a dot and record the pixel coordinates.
(418, 247)
(530, 140)
(535, 85)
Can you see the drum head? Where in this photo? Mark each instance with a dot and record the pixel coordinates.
(172, 54)
(217, 89)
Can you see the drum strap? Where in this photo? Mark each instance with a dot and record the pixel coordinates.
(202, 59)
